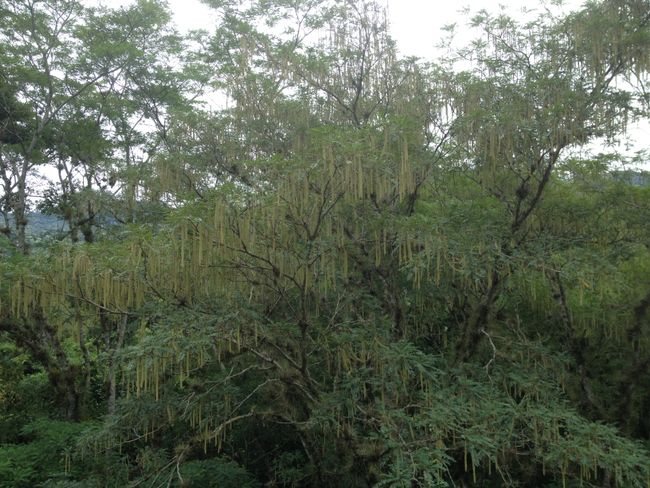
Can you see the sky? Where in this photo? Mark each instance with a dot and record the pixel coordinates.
(416, 26)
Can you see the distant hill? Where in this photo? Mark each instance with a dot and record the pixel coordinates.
(632, 177)
(39, 224)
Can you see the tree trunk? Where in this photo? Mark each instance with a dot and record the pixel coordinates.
(39, 339)
(20, 217)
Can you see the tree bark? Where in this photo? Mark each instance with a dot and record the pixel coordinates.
(39, 339)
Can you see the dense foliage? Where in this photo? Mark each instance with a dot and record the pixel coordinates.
(364, 270)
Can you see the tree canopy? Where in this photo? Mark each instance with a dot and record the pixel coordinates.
(363, 270)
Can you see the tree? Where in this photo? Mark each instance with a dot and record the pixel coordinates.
(38, 39)
(70, 77)
(370, 271)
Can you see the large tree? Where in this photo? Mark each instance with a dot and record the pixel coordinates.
(369, 271)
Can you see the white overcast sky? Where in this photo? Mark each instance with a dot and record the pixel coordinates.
(416, 26)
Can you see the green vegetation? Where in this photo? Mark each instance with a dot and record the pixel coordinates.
(364, 271)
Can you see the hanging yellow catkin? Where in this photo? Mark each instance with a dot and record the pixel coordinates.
(14, 299)
(157, 380)
(199, 252)
(359, 178)
(377, 249)
(473, 471)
